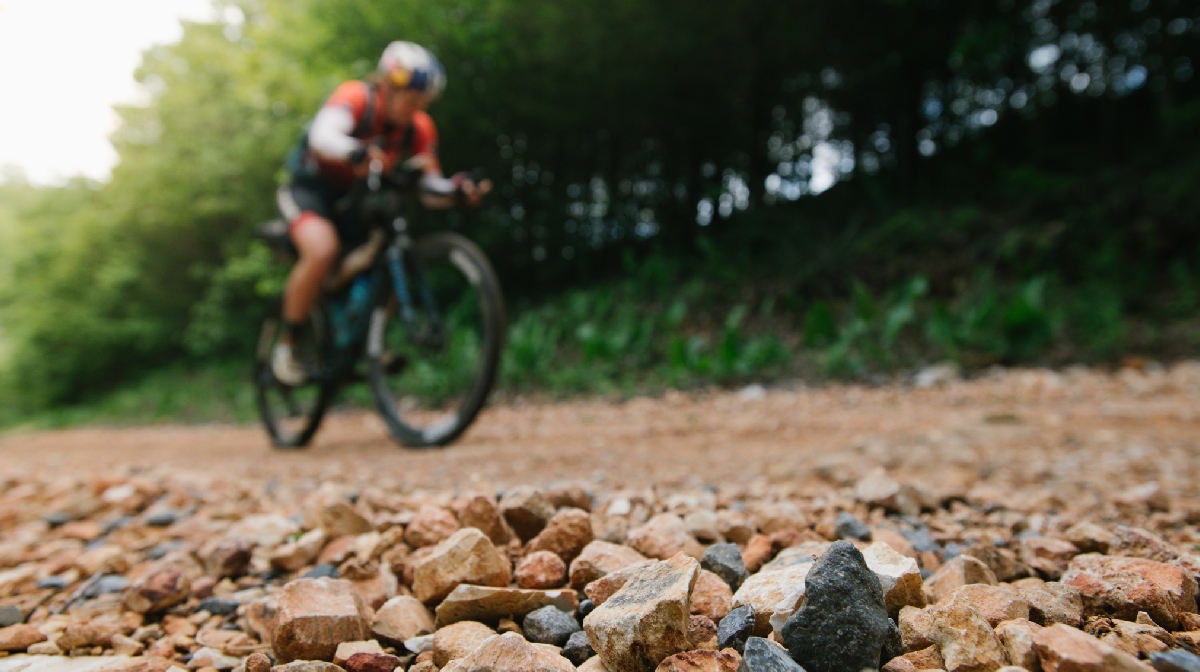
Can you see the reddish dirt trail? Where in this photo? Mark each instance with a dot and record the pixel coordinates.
(1071, 435)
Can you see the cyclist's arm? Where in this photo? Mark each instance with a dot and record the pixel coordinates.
(330, 135)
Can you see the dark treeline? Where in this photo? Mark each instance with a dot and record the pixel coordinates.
(811, 149)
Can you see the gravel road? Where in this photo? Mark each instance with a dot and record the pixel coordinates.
(1075, 433)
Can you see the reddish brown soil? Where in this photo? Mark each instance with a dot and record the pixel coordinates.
(1065, 435)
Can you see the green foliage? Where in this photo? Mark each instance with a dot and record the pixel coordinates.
(1065, 229)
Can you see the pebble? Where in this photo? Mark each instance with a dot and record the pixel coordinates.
(843, 622)
(725, 560)
(1176, 660)
(762, 655)
(549, 625)
(736, 628)
(10, 615)
(577, 649)
(849, 527)
(322, 571)
(218, 606)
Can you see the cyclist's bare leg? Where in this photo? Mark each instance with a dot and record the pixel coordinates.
(317, 243)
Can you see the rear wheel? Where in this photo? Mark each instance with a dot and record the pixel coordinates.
(292, 414)
(430, 381)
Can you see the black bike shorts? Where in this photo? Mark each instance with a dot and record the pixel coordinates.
(301, 197)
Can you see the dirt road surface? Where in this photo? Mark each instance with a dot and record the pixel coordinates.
(1078, 435)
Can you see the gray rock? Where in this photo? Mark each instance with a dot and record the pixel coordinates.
(843, 623)
(321, 571)
(218, 606)
(725, 560)
(549, 625)
(1175, 660)
(849, 527)
(10, 616)
(893, 646)
(105, 585)
(763, 656)
(161, 519)
(56, 519)
(586, 607)
(52, 582)
(578, 649)
(921, 540)
(160, 551)
(735, 629)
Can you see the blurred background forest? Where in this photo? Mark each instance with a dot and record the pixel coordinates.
(690, 193)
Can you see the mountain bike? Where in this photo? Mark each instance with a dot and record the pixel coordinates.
(420, 320)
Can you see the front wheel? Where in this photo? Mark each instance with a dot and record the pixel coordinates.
(291, 414)
(430, 376)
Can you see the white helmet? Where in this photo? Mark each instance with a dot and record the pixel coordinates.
(411, 66)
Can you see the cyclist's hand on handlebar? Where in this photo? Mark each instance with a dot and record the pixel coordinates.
(373, 153)
(474, 192)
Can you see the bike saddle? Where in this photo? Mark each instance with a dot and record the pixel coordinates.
(275, 234)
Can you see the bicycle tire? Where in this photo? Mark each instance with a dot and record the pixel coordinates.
(477, 271)
(295, 432)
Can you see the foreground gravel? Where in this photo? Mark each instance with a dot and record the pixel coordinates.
(1029, 519)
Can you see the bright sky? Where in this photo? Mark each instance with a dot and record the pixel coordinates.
(63, 63)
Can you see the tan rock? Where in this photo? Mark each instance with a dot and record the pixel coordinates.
(262, 529)
(916, 628)
(212, 659)
(46, 648)
(926, 659)
(702, 633)
(1137, 542)
(772, 517)
(663, 537)
(481, 603)
(565, 535)
(540, 570)
(162, 588)
(481, 512)
(773, 594)
(1049, 557)
(898, 575)
(959, 572)
(734, 526)
(1121, 587)
(570, 496)
(647, 620)
(1052, 602)
(1089, 537)
(339, 518)
(995, 603)
(258, 662)
(527, 511)
(314, 616)
(294, 555)
(601, 589)
(711, 596)
(347, 649)
(97, 632)
(423, 666)
(19, 637)
(701, 661)
(431, 526)
(1017, 638)
(599, 558)
(126, 646)
(401, 618)
(593, 664)
(1003, 562)
(757, 552)
(458, 641)
(307, 666)
(702, 525)
(511, 653)
(964, 638)
(466, 557)
(1061, 648)
(379, 586)
(107, 559)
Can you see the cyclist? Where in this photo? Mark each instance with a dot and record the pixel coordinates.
(378, 121)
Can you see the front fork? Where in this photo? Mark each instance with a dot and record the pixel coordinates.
(404, 298)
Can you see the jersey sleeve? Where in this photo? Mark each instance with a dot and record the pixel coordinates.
(350, 95)
(424, 135)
